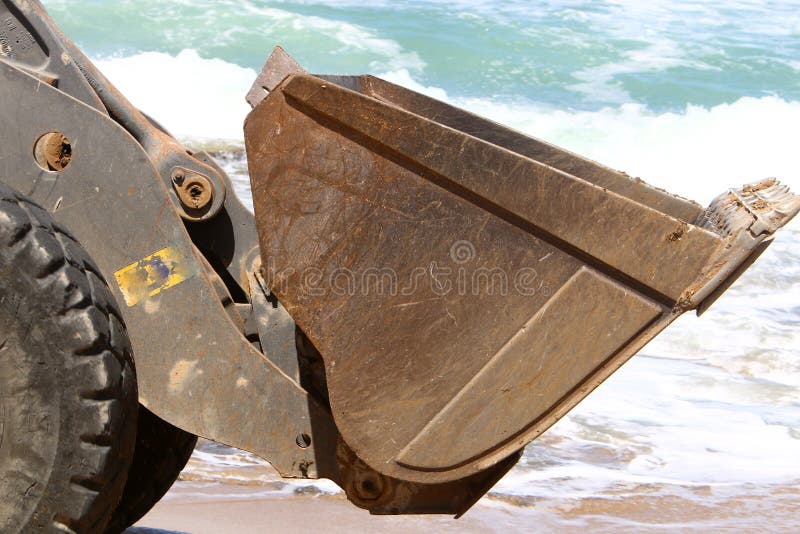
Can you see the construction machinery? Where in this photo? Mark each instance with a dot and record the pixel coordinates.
(420, 293)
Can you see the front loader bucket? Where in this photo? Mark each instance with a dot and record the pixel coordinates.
(467, 285)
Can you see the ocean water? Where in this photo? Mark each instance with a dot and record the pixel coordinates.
(694, 97)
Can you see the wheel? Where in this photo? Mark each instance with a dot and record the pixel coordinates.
(68, 399)
(162, 451)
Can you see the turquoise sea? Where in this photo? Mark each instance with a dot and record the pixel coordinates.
(693, 97)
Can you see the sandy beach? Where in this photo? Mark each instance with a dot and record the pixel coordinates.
(222, 514)
(224, 490)
(214, 507)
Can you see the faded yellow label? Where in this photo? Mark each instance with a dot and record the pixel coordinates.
(153, 274)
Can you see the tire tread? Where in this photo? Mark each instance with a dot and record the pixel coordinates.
(101, 389)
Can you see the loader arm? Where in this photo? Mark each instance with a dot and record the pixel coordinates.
(216, 354)
(270, 333)
(192, 344)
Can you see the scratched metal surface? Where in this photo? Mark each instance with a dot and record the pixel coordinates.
(376, 221)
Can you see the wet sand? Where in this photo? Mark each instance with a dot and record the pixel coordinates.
(223, 490)
(225, 510)
(202, 507)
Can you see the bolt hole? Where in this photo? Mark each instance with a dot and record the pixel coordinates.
(368, 487)
(52, 152)
(195, 192)
(303, 441)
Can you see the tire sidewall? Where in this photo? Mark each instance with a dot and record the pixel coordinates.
(33, 380)
(67, 379)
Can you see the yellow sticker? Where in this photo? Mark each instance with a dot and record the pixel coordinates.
(153, 274)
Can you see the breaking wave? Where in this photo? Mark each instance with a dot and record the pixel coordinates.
(697, 152)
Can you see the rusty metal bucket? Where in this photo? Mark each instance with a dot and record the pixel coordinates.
(467, 285)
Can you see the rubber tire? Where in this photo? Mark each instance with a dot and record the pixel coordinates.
(162, 451)
(67, 379)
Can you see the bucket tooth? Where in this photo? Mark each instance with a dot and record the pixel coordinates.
(279, 65)
(761, 208)
(748, 218)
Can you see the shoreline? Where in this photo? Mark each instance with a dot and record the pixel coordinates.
(212, 507)
(201, 508)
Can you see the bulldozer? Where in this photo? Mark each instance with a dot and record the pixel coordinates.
(419, 293)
